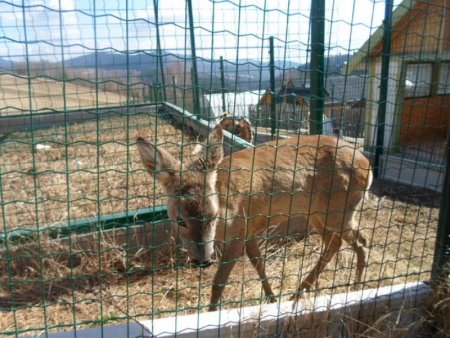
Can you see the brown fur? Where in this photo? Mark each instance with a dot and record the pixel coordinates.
(237, 198)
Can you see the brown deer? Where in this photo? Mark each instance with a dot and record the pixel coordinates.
(236, 198)
(238, 126)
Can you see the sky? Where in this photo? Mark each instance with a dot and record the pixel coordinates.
(62, 29)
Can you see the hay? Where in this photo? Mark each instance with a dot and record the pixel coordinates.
(86, 170)
(47, 269)
(435, 321)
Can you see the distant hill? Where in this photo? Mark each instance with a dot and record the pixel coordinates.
(143, 69)
(145, 61)
(334, 68)
(6, 64)
(240, 75)
(139, 61)
(334, 64)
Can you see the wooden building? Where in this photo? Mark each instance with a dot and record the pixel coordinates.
(291, 107)
(346, 104)
(418, 102)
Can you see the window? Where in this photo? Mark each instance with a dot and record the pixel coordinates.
(444, 79)
(418, 79)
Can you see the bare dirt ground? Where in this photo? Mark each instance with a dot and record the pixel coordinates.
(51, 285)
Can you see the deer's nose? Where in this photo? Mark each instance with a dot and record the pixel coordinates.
(202, 265)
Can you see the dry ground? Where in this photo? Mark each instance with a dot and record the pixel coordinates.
(80, 171)
(100, 172)
(18, 95)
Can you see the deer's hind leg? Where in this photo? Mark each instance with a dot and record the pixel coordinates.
(359, 244)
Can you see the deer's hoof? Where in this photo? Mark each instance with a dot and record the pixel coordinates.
(301, 290)
(212, 308)
(271, 299)
(295, 296)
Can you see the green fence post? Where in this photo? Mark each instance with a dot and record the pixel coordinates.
(385, 59)
(158, 48)
(273, 107)
(194, 60)
(222, 84)
(317, 65)
(442, 247)
(174, 86)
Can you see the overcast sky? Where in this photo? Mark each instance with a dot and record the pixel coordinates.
(233, 29)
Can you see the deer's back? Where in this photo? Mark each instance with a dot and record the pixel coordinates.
(304, 175)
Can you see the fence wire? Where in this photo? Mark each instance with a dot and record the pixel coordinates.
(96, 224)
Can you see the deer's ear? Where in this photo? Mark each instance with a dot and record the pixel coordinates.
(216, 136)
(157, 161)
(210, 154)
(213, 152)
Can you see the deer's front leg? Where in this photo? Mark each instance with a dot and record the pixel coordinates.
(231, 252)
(254, 253)
(332, 243)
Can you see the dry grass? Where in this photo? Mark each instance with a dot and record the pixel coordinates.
(95, 286)
(51, 285)
(426, 320)
(436, 320)
(82, 171)
(48, 94)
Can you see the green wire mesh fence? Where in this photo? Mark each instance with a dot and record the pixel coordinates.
(89, 238)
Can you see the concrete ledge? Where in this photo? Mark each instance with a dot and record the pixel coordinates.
(132, 330)
(415, 173)
(314, 317)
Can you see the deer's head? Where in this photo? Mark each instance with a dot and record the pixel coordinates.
(193, 203)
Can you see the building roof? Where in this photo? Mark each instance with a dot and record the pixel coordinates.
(376, 38)
(289, 93)
(300, 91)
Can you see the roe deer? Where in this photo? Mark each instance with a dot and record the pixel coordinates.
(238, 126)
(236, 198)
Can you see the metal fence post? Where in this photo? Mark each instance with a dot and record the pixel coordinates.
(194, 60)
(317, 27)
(384, 82)
(273, 107)
(158, 48)
(222, 84)
(442, 247)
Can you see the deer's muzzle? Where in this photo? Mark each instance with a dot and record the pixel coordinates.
(202, 265)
